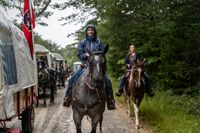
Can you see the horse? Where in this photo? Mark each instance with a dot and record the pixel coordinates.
(60, 74)
(46, 78)
(68, 71)
(135, 87)
(88, 95)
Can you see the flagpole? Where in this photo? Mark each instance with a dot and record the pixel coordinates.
(30, 8)
(34, 56)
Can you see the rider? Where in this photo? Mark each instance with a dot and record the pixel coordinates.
(94, 44)
(129, 63)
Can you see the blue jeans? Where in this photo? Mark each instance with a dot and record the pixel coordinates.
(107, 82)
(71, 80)
(109, 85)
(145, 76)
(122, 80)
(147, 79)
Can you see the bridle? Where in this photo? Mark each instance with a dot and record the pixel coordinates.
(94, 53)
(134, 79)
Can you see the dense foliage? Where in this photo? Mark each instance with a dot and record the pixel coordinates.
(165, 32)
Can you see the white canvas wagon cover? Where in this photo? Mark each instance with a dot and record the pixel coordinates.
(17, 67)
(42, 51)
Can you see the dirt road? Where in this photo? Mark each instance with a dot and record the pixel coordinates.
(57, 119)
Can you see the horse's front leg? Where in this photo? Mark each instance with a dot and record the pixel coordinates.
(95, 120)
(59, 82)
(77, 120)
(52, 93)
(100, 123)
(129, 105)
(136, 109)
(44, 94)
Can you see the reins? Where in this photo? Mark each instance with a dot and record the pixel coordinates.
(88, 107)
(84, 76)
(86, 67)
(136, 88)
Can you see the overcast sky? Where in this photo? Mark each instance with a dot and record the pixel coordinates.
(54, 31)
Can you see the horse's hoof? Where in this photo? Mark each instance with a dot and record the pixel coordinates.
(51, 101)
(137, 127)
(55, 92)
(44, 106)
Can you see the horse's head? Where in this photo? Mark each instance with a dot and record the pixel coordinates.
(40, 67)
(138, 72)
(97, 65)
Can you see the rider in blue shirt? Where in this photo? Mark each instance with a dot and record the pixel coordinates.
(94, 44)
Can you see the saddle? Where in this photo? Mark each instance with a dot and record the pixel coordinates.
(69, 97)
(83, 66)
(127, 73)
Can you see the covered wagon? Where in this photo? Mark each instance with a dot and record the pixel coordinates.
(18, 77)
(46, 74)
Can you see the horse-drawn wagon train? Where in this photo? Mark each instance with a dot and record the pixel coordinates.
(60, 69)
(46, 74)
(18, 77)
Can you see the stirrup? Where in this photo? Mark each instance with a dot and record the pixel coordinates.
(118, 93)
(66, 103)
(150, 93)
(111, 106)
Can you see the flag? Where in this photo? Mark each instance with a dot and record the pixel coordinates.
(27, 22)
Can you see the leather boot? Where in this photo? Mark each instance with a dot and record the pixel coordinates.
(149, 91)
(120, 91)
(66, 102)
(110, 102)
(111, 105)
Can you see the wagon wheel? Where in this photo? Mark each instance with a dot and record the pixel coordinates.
(28, 119)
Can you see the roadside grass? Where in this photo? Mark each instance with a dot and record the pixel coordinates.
(167, 113)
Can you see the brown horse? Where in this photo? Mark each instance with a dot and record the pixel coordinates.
(135, 87)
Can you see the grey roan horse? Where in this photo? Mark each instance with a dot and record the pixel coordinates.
(88, 95)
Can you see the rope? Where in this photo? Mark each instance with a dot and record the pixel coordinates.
(84, 76)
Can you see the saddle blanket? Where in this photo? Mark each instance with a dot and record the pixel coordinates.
(78, 75)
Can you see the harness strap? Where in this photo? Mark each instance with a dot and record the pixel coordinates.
(87, 107)
(133, 87)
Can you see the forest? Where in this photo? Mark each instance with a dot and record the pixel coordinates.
(165, 32)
